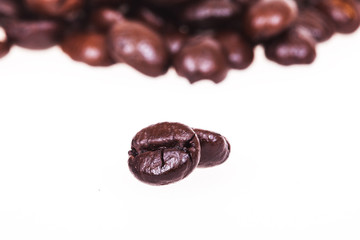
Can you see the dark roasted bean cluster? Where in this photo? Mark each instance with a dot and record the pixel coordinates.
(167, 152)
(200, 39)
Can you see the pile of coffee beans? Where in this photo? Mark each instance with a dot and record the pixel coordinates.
(167, 152)
(200, 39)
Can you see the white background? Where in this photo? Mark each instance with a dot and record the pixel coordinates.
(294, 170)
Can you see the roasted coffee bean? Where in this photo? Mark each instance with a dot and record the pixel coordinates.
(167, 2)
(151, 18)
(320, 27)
(164, 153)
(33, 34)
(343, 13)
(104, 18)
(267, 18)
(239, 52)
(201, 58)
(210, 13)
(139, 46)
(293, 47)
(215, 149)
(89, 48)
(57, 8)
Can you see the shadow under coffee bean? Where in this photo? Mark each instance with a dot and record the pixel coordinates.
(167, 152)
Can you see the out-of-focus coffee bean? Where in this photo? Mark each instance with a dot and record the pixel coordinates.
(320, 27)
(89, 48)
(9, 8)
(201, 58)
(104, 18)
(343, 13)
(239, 52)
(267, 18)
(140, 47)
(210, 13)
(215, 149)
(33, 34)
(174, 40)
(293, 47)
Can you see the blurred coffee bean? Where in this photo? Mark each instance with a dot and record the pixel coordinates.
(239, 52)
(174, 40)
(139, 46)
(215, 149)
(343, 13)
(89, 48)
(9, 8)
(320, 26)
(293, 47)
(56, 8)
(150, 18)
(104, 18)
(168, 3)
(267, 18)
(33, 34)
(201, 57)
(209, 13)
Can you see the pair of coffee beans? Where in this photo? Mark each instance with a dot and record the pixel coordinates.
(200, 39)
(167, 152)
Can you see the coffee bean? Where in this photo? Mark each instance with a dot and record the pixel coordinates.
(215, 149)
(88, 47)
(201, 58)
(33, 34)
(54, 7)
(343, 13)
(9, 8)
(320, 26)
(267, 18)
(139, 46)
(164, 153)
(174, 41)
(239, 51)
(293, 47)
(210, 13)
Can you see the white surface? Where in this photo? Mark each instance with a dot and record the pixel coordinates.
(294, 170)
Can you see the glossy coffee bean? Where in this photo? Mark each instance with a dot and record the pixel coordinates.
(139, 46)
(151, 18)
(239, 52)
(89, 48)
(343, 13)
(56, 8)
(164, 153)
(293, 47)
(210, 13)
(215, 149)
(9, 8)
(320, 26)
(33, 34)
(104, 18)
(201, 58)
(267, 18)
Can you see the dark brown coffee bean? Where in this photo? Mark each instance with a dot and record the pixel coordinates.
(320, 26)
(210, 13)
(164, 153)
(215, 149)
(239, 52)
(267, 18)
(89, 48)
(151, 18)
(57, 8)
(343, 13)
(33, 34)
(201, 58)
(139, 46)
(293, 47)
(167, 2)
(104, 18)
